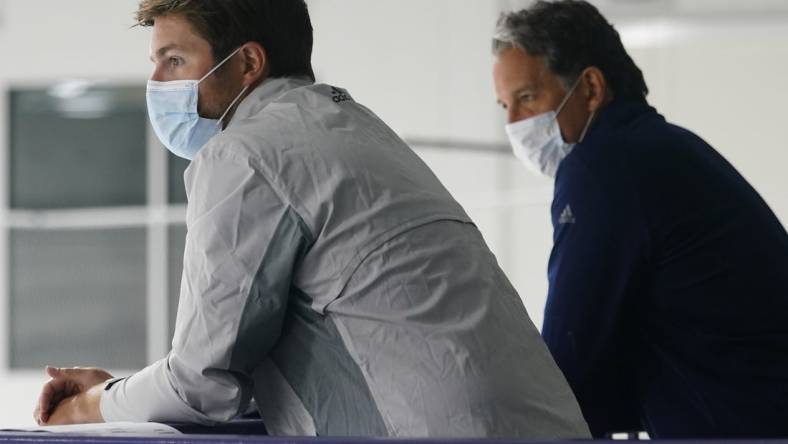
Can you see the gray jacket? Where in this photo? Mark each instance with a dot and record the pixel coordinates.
(329, 275)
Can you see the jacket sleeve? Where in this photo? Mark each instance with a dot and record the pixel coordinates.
(243, 244)
(595, 274)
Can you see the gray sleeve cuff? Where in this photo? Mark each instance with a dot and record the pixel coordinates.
(147, 396)
(112, 382)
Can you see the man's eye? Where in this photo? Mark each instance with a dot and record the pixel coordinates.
(526, 97)
(175, 61)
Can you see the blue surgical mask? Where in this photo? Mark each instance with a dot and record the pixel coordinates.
(172, 107)
(538, 143)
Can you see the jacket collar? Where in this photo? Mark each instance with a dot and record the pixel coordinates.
(264, 94)
(619, 113)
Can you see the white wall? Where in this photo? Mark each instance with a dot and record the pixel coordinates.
(46, 40)
(424, 67)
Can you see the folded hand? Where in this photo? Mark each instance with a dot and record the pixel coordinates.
(71, 396)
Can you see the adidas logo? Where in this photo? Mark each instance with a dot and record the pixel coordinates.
(339, 95)
(567, 217)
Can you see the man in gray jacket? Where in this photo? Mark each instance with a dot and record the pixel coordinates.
(327, 272)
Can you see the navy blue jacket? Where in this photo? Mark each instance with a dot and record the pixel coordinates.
(668, 301)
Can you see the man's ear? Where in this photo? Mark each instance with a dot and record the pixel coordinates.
(595, 89)
(255, 63)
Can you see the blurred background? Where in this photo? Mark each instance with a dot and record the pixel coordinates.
(92, 207)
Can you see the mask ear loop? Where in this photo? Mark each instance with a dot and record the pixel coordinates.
(587, 127)
(219, 65)
(568, 96)
(566, 100)
(237, 98)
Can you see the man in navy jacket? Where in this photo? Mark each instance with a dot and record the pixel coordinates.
(668, 300)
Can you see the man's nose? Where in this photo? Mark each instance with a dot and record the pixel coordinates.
(156, 75)
(514, 115)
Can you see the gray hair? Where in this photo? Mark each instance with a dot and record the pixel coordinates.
(506, 34)
(571, 35)
(514, 30)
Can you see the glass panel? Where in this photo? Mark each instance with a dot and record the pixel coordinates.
(176, 240)
(78, 298)
(78, 145)
(176, 189)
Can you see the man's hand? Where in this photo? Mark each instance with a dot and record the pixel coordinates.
(72, 396)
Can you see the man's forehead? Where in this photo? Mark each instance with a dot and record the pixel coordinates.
(533, 65)
(521, 70)
(162, 49)
(521, 60)
(173, 32)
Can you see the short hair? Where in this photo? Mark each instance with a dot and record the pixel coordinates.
(282, 27)
(572, 35)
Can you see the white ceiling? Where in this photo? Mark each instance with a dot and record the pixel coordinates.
(696, 9)
(701, 8)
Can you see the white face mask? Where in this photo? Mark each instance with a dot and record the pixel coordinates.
(538, 143)
(172, 107)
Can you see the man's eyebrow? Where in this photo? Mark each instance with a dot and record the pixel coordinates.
(163, 50)
(528, 87)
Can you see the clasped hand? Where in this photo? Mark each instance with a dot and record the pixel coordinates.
(71, 396)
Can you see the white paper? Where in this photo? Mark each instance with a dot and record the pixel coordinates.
(106, 429)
